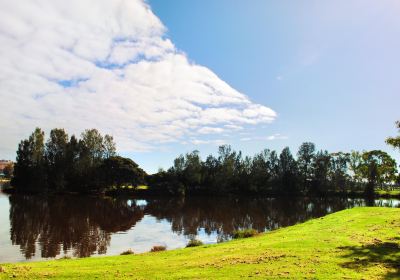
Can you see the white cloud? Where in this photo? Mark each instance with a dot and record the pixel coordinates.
(210, 130)
(215, 142)
(106, 63)
(273, 137)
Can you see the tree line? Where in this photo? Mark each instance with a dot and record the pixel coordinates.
(90, 164)
(63, 163)
(313, 171)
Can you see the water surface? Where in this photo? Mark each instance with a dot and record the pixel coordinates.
(45, 227)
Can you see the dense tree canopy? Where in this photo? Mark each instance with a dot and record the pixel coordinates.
(90, 164)
(316, 173)
(64, 163)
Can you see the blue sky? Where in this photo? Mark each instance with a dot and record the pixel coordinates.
(168, 77)
(329, 69)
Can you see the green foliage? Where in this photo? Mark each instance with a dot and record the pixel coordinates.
(305, 160)
(246, 233)
(194, 243)
(63, 164)
(119, 171)
(90, 164)
(394, 141)
(288, 172)
(315, 173)
(29, 169)
(378, 168)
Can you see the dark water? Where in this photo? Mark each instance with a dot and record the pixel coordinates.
(40, 227)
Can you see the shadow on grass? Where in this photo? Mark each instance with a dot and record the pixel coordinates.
(386, 254)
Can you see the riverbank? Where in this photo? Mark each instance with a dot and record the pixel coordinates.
(146, 191)
(360, 243)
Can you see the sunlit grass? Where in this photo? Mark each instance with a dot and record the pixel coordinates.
(389, 193)
(360, 243)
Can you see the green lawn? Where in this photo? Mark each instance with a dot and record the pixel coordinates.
(388, 193)
(361, 243)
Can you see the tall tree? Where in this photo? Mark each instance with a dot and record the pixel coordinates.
(55, 154)
(305, 159)
(92, 143)
(261, 171)
(29, 169)
(339, 170)
(110, 149)
(288, 172)
(355, 163)
(322, 165)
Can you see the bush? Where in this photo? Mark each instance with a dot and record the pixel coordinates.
(237, 234)
(158, 248)
(127, 252)
(65, 258)
(194, 243)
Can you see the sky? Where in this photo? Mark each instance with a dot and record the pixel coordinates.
(168, 77)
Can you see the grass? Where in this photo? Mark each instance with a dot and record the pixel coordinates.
(388, 193)
(360, 243)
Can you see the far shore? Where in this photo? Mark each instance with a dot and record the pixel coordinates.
(145, 191)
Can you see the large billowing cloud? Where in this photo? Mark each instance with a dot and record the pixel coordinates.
(107, 64)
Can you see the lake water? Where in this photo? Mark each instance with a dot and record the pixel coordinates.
(45, 227)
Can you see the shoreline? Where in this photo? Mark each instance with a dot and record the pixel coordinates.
(149, 193)
(337, 245)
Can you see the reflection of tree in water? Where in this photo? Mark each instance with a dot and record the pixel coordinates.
(56, 223)
(84, 224)
(224, 215)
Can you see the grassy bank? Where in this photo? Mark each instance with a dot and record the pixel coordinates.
(361, 243)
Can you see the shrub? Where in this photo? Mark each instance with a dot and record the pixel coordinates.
(158, 248)
(194, 243)
(127, 252)
(65, 258)
(237, 234)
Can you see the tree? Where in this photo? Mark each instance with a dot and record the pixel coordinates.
(92, 145)
(192, 171)
(339, 170)
(109, 146)
(379, 169)
(55, 155)
(29, 171)
(288, 172)
(305, 158)
(261, 171)
(226, 161)
(119, 171)
(62, 164)
(394, 141)
(321, 167)
(355, 163)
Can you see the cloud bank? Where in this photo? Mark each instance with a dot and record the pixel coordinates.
(108, 64)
